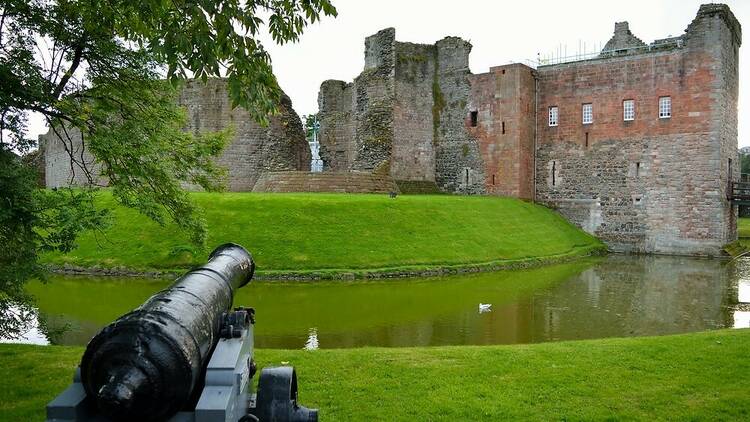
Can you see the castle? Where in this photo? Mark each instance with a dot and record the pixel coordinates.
(637, 145)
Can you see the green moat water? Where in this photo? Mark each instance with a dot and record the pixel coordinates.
(608, 297)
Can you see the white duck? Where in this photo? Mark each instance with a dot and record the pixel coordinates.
(485, 307)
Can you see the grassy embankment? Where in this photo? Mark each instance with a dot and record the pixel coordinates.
(742, 246)
(686, 377)
(743, 229)
(337, 233)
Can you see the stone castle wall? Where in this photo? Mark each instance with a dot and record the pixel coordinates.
(651, 184)
(336, 113)
(413, 152)
(459, 164)
(59, 169)
(503, 103)
(404, 115)
(647, 185)
(253, 150)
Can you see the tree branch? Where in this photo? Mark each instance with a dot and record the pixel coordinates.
(77, 55)
(2, 22)
(2, 128)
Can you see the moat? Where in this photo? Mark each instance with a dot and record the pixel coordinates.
(617, 296)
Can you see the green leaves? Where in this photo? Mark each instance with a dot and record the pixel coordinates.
(34, 220)
(105, 73)
(100, 79)
(209, 39)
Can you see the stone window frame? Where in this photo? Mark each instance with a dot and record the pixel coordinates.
(553, 116)
(628, 110)
(474, 118)
(587, 113)
(665, 107)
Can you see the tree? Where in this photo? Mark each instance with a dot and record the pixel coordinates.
(310, 121)
(744, 163)
(107, 71)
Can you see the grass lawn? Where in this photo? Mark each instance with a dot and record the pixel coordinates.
(743, 227)
(341, 233)
(699, 376)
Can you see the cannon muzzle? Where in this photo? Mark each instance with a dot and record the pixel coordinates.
(146, 365)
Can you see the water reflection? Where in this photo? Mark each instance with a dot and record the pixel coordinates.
(312, 340)
(614, 296)
(743, 291)
(26, 326)
(742, 319)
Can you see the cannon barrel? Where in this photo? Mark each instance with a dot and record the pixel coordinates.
(146, 365)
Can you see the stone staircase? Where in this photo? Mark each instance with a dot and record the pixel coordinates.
(343, 182)
(417, 187)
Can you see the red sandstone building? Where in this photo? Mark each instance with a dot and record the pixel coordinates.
(637, 145)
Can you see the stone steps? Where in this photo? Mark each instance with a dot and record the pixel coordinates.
(343, 182)
(416, 187)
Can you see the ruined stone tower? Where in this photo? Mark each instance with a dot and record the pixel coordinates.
(403, 115)
(637, 145)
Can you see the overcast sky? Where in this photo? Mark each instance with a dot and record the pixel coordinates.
(500, 31)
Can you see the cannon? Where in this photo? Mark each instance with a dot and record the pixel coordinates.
(184, 355)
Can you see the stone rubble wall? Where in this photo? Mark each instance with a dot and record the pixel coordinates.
(408, 115)
(459, 164)
(254, 149)
(336, 116)
(413, 153)
(375, 95)
(59, 169)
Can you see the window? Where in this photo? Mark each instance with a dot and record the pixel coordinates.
(637, 169)
(588, 114)
(503, 128)
(553, 116)
(586, 142)
(628, 110)
(474, 118)
(665, 107)
(554, 173)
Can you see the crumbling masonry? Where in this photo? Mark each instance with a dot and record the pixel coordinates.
(637, 145)
(254, 150)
